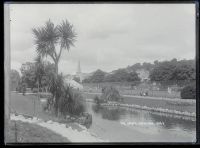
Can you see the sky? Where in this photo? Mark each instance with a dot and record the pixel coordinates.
(109, 36)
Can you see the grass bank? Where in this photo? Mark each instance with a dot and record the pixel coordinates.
(31, 133)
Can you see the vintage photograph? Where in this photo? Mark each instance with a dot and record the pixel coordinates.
(100, 73)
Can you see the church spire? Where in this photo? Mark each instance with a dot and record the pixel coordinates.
(79, 67)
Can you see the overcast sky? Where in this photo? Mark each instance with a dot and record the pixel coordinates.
(110, 36)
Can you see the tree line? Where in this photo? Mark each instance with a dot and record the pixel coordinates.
(172, 71)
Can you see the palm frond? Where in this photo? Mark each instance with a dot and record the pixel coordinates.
(67, 35)
(45, 38)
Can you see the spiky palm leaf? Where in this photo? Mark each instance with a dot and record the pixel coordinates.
(67, 35)
(45, 39)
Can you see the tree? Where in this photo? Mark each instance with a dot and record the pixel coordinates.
(39, 70)
(49, 70)
(14, 79)
(110, 93)
(133, 76)
(174, 72)
(121, 75)
(189, 92)
(147, 66)
(28, 74)
(48, 37)
(98, 76)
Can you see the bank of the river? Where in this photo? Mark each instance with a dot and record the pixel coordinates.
(62, 129)
(23, 132)
(30, 106)
(174, 106)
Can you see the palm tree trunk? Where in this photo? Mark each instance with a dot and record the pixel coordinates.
(56, 66)
(56, 99)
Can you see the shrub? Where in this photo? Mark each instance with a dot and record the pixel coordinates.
(189, 92)
(98, 100)
(64, 99)
(71, 102)
(111, 94)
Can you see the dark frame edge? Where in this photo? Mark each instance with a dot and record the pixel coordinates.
(197, 74)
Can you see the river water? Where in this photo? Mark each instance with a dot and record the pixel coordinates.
(116, 124)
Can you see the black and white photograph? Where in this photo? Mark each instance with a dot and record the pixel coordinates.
(100, 72)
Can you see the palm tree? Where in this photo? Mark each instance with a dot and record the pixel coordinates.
(47, 37)
(46, 40)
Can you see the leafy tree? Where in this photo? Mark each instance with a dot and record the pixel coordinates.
(156, 62)
(28, 74)
(133, 76)
(98, 76)
(49, 70)
(174, 71)
(14, 79)
(39, 70)
(147, 66)
(121, 75)
(110, 93)
(189, 92)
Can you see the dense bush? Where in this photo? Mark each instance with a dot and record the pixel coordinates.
(189, 92)
(64, 100)
(98, 100)
(111, 94)
(71, 102)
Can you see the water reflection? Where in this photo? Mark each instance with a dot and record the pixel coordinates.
(171, 122)
(134, 115)
(108, 113)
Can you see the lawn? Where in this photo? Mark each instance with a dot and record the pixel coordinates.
(32, 133)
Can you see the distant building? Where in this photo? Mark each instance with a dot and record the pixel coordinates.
(78, 74)
(143, 74)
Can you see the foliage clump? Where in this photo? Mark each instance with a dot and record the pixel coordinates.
(64, 99)
(189, 92)
(110, 93)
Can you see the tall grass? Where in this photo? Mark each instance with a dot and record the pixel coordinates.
(64, 99)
